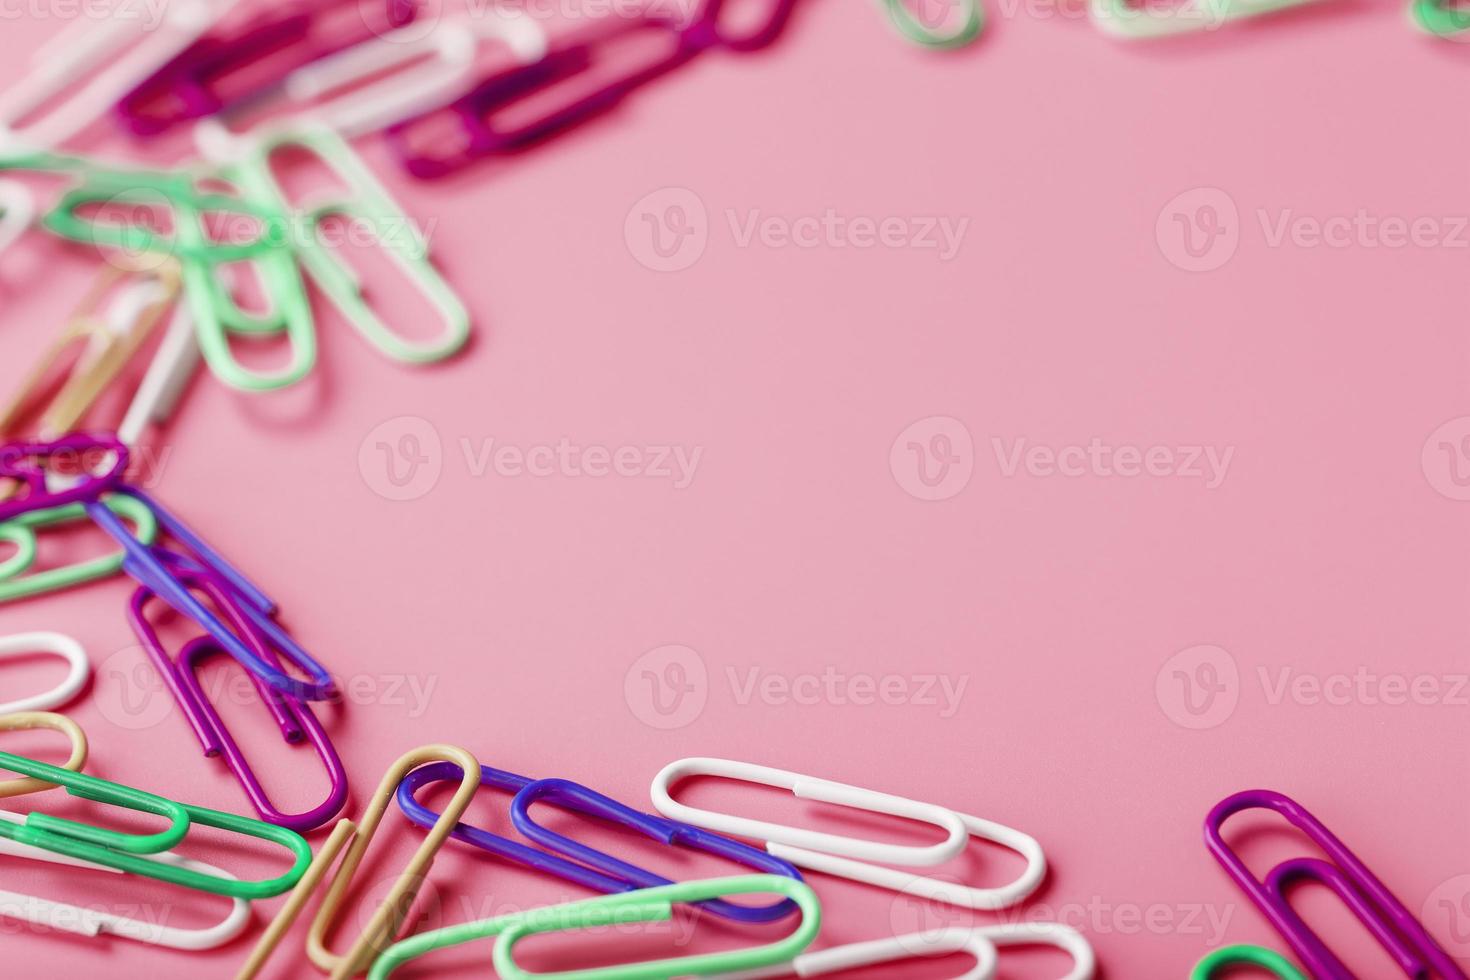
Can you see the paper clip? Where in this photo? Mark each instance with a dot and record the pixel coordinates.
(366, 204)
(137, 853)
(1395, 928)
(58, 645)
(101, 342)
(657, 905)
(596, 870)
(388, 918)
(1123, 20)
(1065, 938)
(112, 58)
(22, 462)
(191, 84)
(1442, 18)
(881, 952)
(575, 56)
(851, 858)
(21, 532)
(17, 211)
(30, 721)
(158, 394)
(82, 921)
(916, 28)
(651, 905)
(403, 73)
(1215, 964)
(294, 718)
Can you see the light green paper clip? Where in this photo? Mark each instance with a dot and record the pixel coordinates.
(1441, 18)
(1229, 956)
(912, 26)
(365, 203)
(1127, 21)
(21, 532)
(645, 905)
(130, 852)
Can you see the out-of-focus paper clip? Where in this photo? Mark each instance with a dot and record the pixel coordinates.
(26, 721)
(1216, 964)
(17, 211)
(1127, 21)
(56, 644)
(385, 922)
(851, 858)
(223, 67)
(1442, 18)
(79, 75)
(960, 23)
(365, 205)
(100, 340)
(1395, 928)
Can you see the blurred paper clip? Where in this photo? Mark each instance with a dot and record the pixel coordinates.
(17, 211)
(1442, 18)
(851, 858)
(959, 23)
(1395, 928)
(1128, 21)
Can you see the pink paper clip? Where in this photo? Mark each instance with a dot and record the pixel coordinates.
(227, 67)
(476, 113)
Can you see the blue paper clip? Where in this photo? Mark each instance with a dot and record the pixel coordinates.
(605, 873)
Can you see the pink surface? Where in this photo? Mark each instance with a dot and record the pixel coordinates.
(1033, 630)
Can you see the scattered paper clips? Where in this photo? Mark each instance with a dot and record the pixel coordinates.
(79, 668)
(1395, 928)
(852, 858)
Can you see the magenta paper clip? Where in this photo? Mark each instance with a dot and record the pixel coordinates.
(23, 462)
(476, 113)
(228, 67)
(1405, 939)
(295, 719)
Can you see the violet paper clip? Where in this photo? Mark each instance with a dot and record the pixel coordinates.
(19, 463)
(598, 871)
(475, 113)
(192, 84)
(293, 717)
(1405, 939)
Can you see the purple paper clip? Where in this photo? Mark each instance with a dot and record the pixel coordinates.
(602, 872)
(474, 114)
(295, 719)
(1405, 939)
(192, 84)
(158, 569)
(19, 461)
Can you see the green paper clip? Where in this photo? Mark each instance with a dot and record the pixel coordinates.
(657, 905)
(1441, 18)
(364, 203)
(129, 852)
(912, 26)
(21, 532)
(1231, 956)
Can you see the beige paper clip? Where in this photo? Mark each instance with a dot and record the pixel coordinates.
(382, 930)
(109, 335)
(23, 721)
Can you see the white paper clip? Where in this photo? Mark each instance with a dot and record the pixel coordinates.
(168, 374)
(17, 211)
(1065, 938)
(851, 858)
(1124, 20)
(82, 921)
(381, 82)
(878, 952)
(80, 74)
(53, 643)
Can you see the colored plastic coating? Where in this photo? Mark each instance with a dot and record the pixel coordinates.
(80, 668)
(657, 905)
(30, 721)
(1216, 963)
(1410, 945)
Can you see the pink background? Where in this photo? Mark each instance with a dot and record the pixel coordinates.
(1060, 601)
